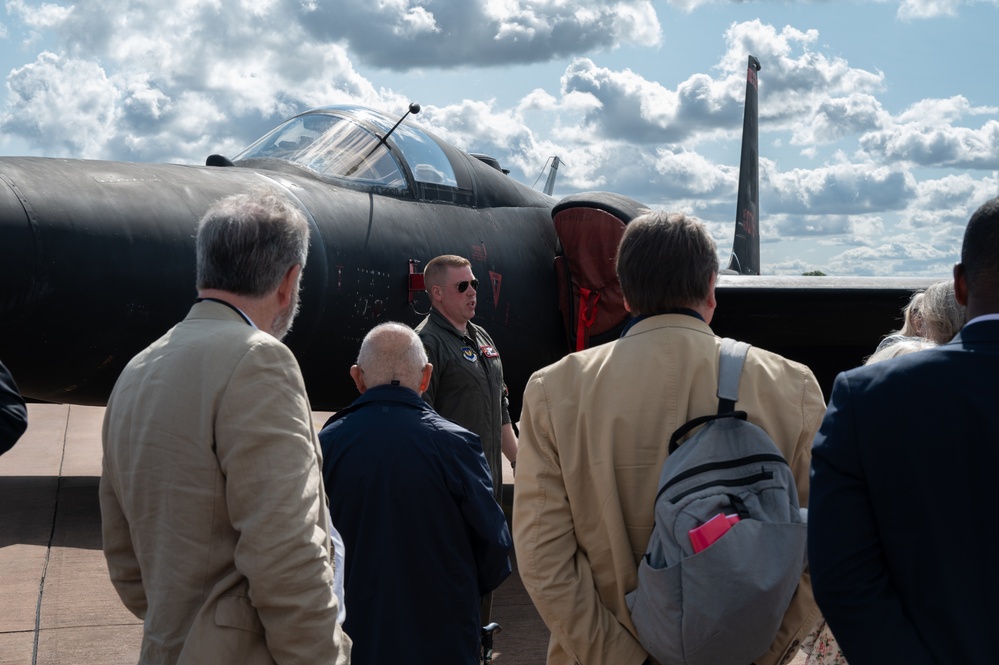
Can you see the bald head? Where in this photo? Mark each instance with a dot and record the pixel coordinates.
(391, 352)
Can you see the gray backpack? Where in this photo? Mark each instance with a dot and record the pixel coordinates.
(723, 604)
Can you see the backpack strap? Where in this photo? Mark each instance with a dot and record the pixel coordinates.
(731, 360)
(684, 429)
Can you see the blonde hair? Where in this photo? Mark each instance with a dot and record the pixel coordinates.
(899, 348)
(913, 316)
(942, 316)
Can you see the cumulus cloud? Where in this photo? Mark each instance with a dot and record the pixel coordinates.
(832, 119)
(166, 82)
(147, 81)
(957, 147)
(925, 9)
(816, 98)
(467, 124)
(941, 202)
(37, 95)
(450, 34)
(172, 64)
(839, 189)
(818, 225)
(617, 130)
(801, 84)
(927, 134)
(626, 106)
(907, 9)
(893, 259)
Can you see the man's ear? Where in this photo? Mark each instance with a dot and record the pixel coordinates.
(358, 375)
(428, 369)
(960, 284)
(288, 285)
(711, 302)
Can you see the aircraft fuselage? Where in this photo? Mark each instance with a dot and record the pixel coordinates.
(99, 261)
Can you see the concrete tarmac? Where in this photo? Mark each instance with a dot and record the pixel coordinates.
(58, 606)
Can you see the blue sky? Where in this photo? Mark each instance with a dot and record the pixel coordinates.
(879, 121)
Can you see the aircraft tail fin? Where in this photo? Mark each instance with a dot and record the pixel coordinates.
(550, 183)
(746, 246)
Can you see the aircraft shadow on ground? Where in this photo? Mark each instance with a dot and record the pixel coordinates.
(48, 510)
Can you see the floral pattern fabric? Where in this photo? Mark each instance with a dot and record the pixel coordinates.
(822, 648)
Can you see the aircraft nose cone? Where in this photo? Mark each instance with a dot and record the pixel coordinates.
(17, 258)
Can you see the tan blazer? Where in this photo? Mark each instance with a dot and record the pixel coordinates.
(216, 530)
(594, 433)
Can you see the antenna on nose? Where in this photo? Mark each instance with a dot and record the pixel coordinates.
(414, 108)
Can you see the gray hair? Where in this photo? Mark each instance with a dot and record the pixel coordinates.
(248, 242)
(392, 352)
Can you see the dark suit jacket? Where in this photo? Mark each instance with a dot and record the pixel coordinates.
(903, 544)
(411, 495)
(13, 414)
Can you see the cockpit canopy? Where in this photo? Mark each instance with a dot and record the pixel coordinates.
(350, 146)
(344, 143)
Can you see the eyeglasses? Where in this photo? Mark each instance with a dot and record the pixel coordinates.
(463, 285)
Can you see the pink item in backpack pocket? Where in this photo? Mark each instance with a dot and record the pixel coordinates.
(701, 537)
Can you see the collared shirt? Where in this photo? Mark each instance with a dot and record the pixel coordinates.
(642, 317)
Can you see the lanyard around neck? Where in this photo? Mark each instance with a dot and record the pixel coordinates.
(230, 306)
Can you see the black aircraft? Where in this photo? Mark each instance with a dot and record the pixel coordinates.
(97, 258)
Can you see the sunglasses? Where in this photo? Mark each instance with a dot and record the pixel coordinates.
(463, 286)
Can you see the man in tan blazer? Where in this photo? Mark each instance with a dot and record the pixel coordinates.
(595, 430)
(216, 530)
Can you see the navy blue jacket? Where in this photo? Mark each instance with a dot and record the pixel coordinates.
(411, 495)
(903, 540)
